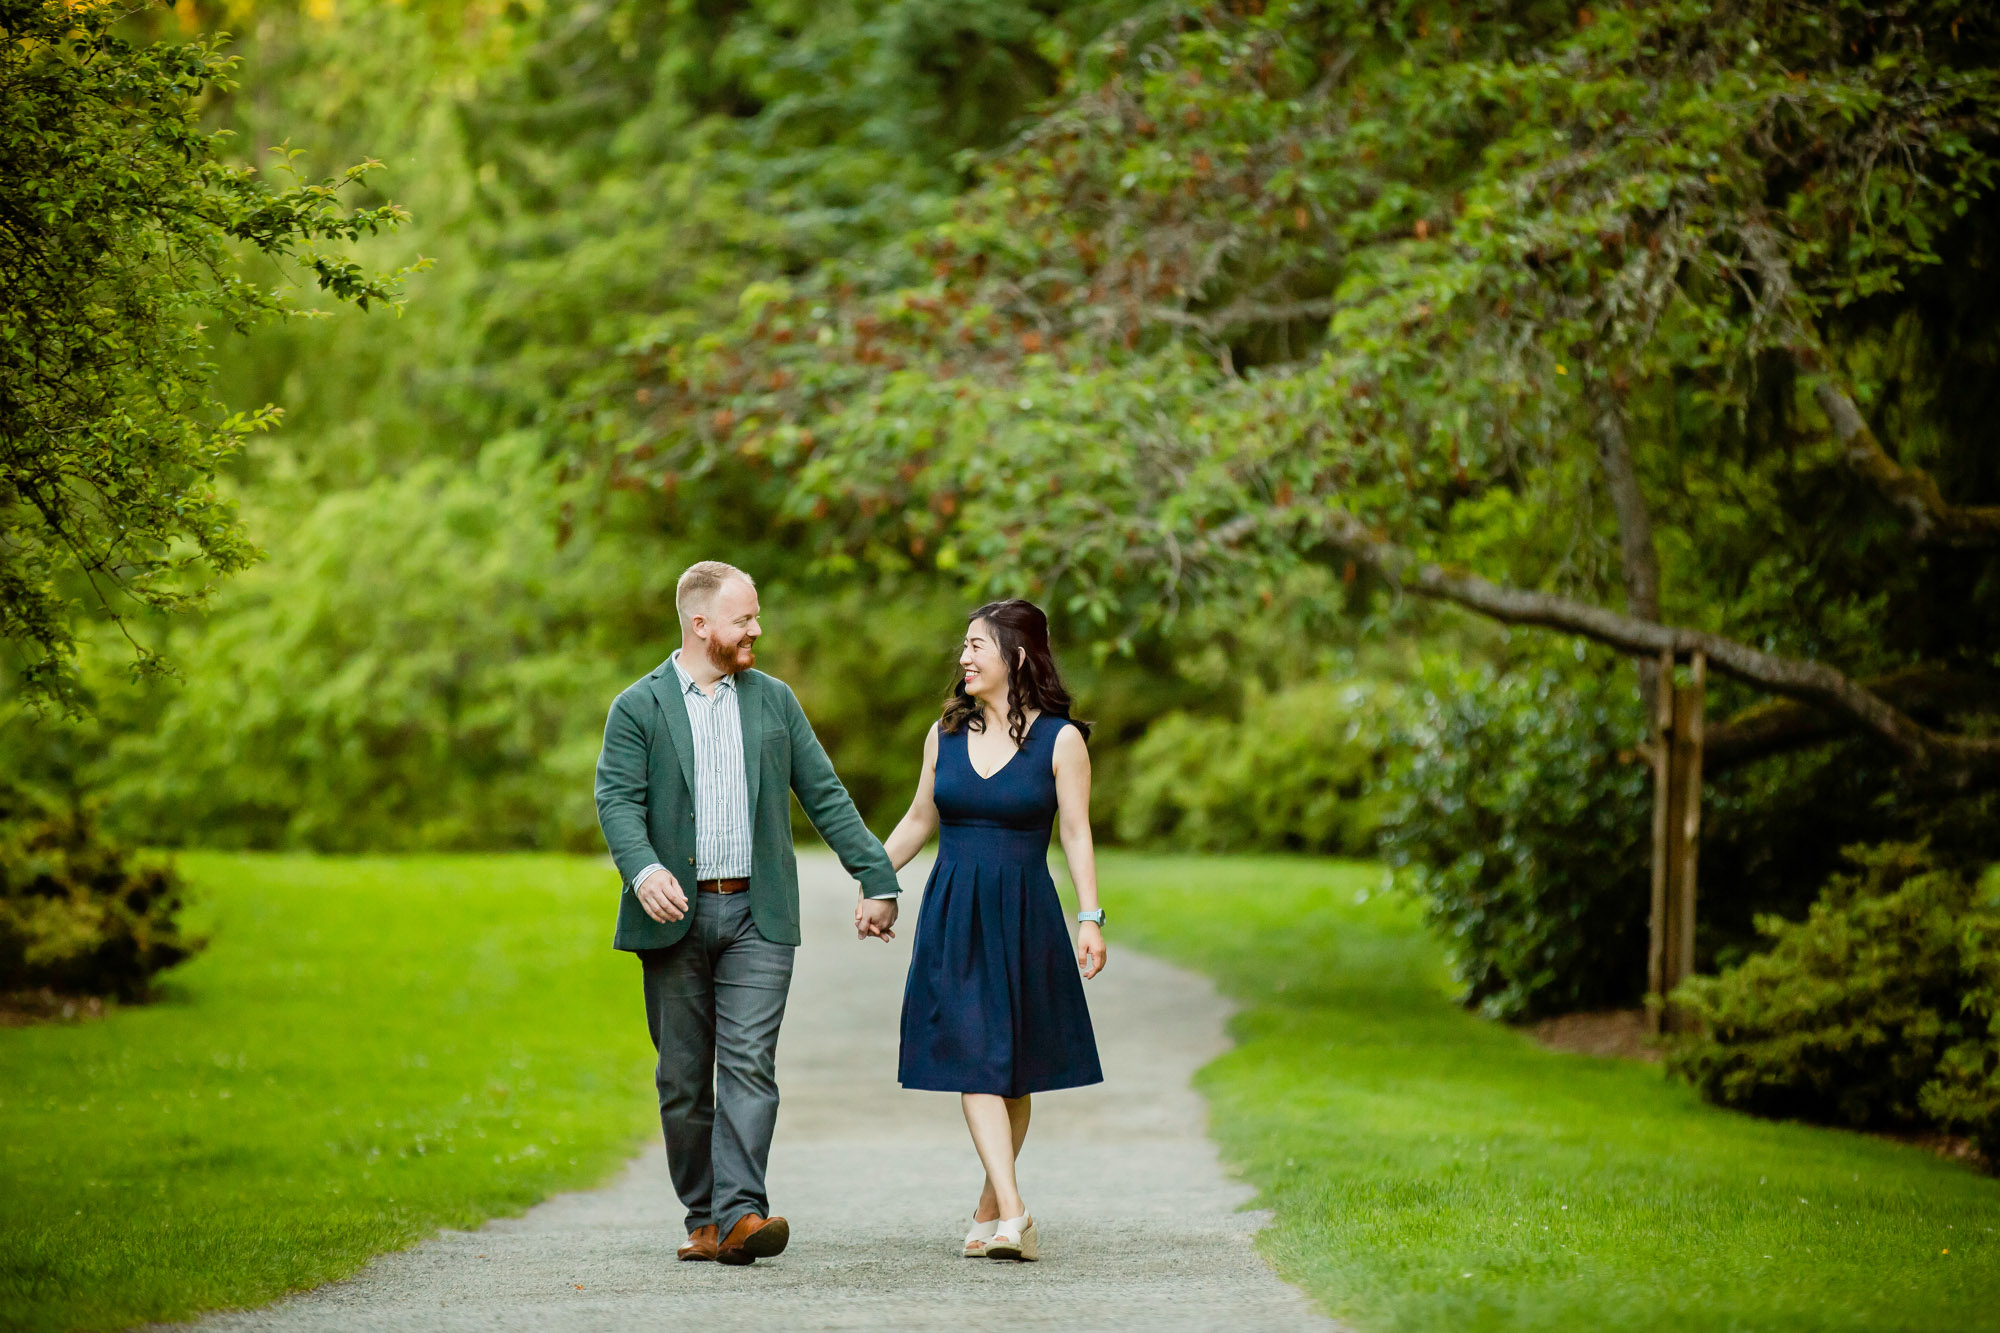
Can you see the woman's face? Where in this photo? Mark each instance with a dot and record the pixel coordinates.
(984, 669)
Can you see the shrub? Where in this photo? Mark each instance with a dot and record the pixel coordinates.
(1876, 1011)
(1294, 773)
(1967, 1089)
(79, 915)
(1965, 1094)
(1525, 830)
(1766, 845)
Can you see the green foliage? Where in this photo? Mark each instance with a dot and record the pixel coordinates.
(1965, 1095)
(1878, 1010)
(1255, 270)
(1524, 829)
(1765, 846)
(1294, 773)
(123, 227)
(450, 599)
(428, 667)
(591, 178)
(79, 915)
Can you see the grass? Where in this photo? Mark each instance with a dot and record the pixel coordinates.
(370, 1050)
(374, 1049)
(1429, 1170)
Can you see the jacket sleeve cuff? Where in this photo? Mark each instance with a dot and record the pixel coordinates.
(879, 884)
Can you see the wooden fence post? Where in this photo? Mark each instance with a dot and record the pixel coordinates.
(1661, 753)
(1677, 755)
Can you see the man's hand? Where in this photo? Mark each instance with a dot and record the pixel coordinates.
(875, 916)
(662, 897)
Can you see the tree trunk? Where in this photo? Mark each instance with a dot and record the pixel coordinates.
(1638, 559)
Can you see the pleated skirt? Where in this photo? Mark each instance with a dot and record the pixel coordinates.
(994, 1002)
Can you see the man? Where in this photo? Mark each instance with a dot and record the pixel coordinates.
(694, 796)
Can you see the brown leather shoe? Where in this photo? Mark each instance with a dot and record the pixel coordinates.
(700, 1245)
(754, 1238)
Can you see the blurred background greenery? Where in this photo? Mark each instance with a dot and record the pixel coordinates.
(451, 593)
(452, 590)
(473, 514)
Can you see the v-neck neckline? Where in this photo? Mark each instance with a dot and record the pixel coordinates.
(988, 777)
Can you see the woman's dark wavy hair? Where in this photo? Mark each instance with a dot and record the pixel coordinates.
(1021, 632)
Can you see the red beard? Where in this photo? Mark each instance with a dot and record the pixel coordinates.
(739, 657)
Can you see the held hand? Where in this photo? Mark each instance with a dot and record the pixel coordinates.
(662, 897)
(1090, 949)
(874, 917)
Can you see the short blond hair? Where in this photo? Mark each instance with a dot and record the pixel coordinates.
(698, 585)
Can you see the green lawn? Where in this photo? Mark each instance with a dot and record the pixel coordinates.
(373, 1049)
(370, 1050)
(1429, 1170)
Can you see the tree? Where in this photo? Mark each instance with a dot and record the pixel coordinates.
(1573, 319)
(123, 240)
(423, 658)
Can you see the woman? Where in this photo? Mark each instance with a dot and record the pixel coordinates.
(993, 1009)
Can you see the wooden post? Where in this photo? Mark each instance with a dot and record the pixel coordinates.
(1689, 702)
(1656, 930)
(1676, 836)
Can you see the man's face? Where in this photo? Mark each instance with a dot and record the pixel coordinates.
(730, 627)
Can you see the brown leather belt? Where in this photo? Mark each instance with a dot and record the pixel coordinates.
(722, 885)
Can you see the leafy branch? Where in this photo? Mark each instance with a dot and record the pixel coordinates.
(122, 233)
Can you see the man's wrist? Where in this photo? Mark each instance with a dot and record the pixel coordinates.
(646, 874)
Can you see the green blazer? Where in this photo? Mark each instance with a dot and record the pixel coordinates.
(645, 803)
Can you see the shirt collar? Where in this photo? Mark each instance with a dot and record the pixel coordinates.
(687, 682)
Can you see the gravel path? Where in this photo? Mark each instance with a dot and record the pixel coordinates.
(1140, 1228)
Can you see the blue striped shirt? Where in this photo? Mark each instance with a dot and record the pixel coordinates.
(722, 789)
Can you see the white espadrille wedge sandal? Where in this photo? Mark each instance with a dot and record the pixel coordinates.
(975, 1239)
(1015, 1239)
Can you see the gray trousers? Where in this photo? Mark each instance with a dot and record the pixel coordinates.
(714, 1001)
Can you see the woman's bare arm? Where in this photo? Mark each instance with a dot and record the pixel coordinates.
(1072, 769)
(917, 825)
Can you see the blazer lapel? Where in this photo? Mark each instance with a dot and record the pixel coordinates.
(750, 711)
(673, 707)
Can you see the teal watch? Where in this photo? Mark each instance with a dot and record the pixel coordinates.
(1094, 918)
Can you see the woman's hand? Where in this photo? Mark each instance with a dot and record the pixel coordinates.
(875, 916)
(1090, 949)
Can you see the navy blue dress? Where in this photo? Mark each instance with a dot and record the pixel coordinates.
(994, 1002)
